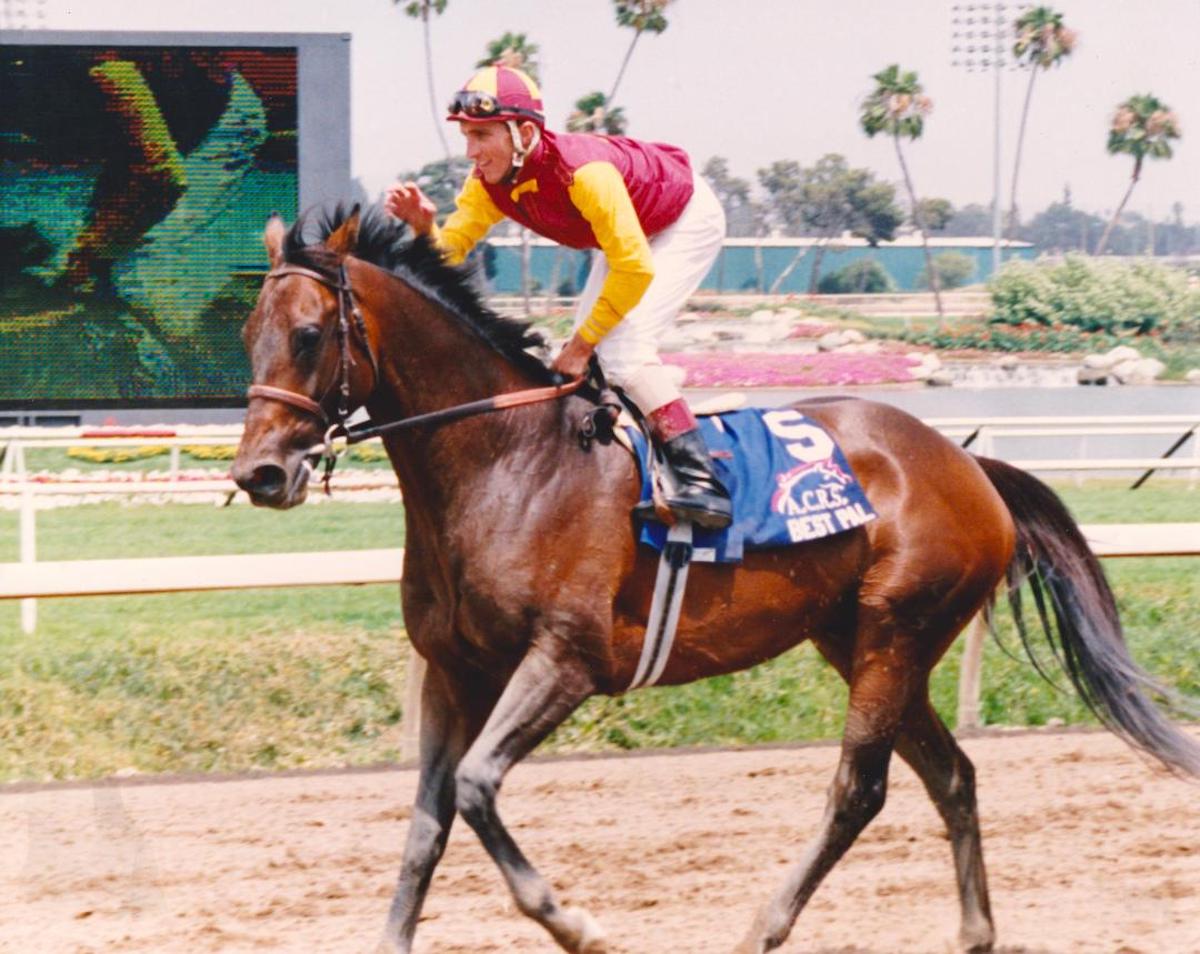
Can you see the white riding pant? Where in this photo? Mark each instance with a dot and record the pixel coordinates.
(683, 253)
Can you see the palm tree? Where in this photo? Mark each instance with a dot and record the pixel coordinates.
(592, 115)
(514, 51)
(898, 106)
(642, 16)
(1042, 42)
(421, 9)
(1142, 127)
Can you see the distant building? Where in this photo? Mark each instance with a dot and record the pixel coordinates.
(562, 270)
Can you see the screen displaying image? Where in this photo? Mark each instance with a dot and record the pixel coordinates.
(134, 186)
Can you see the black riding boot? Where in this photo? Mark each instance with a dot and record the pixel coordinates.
(700, 496)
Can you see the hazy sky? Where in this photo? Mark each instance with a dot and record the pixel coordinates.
(751, 80)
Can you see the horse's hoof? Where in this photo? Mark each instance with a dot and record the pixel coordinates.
(977, 939)
(591, 937)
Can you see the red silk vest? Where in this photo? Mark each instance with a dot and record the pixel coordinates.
(657, 176)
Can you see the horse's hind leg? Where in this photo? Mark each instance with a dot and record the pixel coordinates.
(447, 727)
(949, 778)
(881, 683)
(546, 687)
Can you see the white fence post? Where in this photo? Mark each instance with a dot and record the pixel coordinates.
(1196, 457)
(410, 725)
(28, 532)
(987, 443)
(969, 674)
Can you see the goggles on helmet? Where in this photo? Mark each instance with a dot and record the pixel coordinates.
(473, 104)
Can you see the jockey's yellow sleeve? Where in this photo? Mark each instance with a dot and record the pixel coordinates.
(474, 214)
(599, 193)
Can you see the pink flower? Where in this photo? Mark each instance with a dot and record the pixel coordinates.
(724, 370)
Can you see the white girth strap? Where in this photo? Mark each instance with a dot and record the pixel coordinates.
(664, 607)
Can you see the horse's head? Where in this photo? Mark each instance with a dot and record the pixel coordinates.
(306, 346)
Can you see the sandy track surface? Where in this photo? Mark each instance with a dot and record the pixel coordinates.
(1088, 850)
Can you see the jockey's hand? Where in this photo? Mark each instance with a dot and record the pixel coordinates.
(572, 361)
(407, 202)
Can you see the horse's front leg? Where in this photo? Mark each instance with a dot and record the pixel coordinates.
(447, 728)
(546, 687)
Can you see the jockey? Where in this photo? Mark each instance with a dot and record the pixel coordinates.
(657, 223)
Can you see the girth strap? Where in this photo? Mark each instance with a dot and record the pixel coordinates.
(665, 606)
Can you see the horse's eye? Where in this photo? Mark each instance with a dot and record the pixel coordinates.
(305, 339)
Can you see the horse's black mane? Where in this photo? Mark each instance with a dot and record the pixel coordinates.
(383, 241)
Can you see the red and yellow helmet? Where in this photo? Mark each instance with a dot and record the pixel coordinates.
(498, 93)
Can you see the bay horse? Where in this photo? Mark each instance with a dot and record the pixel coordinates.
(525, 592)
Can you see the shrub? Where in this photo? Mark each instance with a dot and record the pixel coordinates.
(954, 269)
(864, 277)
(1109, 297)
(1027, 337)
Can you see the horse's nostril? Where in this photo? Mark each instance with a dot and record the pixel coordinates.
(265, 480)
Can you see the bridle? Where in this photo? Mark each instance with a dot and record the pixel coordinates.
(338, 436)
(347, 310)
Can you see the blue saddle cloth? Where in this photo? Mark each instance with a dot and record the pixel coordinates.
(789, 480)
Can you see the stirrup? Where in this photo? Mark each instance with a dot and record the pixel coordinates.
(707, 517)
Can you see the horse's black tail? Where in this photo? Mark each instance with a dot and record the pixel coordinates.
(1055, 559)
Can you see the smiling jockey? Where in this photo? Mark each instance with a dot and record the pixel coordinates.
(657, 223)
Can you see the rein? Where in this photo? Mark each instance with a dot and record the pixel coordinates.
(334, 443)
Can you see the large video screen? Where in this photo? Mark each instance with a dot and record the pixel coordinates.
(134, 185)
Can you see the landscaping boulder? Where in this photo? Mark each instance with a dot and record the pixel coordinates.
(759, 335)
(831, 341)
(1111, 358)
(700, 334)
(927, 364)
(1193, 376)
(1138, 371)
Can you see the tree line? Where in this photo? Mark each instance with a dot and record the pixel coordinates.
(793, 200)
(830, 198)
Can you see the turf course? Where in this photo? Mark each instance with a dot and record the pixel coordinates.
(314, 677)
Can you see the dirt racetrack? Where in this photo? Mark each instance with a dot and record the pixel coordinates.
(1088, 850)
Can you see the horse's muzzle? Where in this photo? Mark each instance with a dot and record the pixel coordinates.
(270, 485)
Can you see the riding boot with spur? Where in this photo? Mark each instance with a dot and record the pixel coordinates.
(699, 495)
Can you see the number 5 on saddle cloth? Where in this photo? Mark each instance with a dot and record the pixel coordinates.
(790, 483)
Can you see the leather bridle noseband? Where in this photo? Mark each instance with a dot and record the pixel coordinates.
(338, 436)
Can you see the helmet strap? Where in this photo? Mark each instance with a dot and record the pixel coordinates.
(519, 151)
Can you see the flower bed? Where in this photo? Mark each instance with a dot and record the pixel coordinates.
(725, 370)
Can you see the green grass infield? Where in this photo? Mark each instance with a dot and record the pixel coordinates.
(313, 677)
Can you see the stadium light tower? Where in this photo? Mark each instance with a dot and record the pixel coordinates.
(979, 36)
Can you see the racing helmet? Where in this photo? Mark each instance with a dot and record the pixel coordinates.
(498, 93)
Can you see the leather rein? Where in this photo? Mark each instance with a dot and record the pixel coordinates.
(338, 436)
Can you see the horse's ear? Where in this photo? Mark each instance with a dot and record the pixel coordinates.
(273, 239)
(343, 240)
